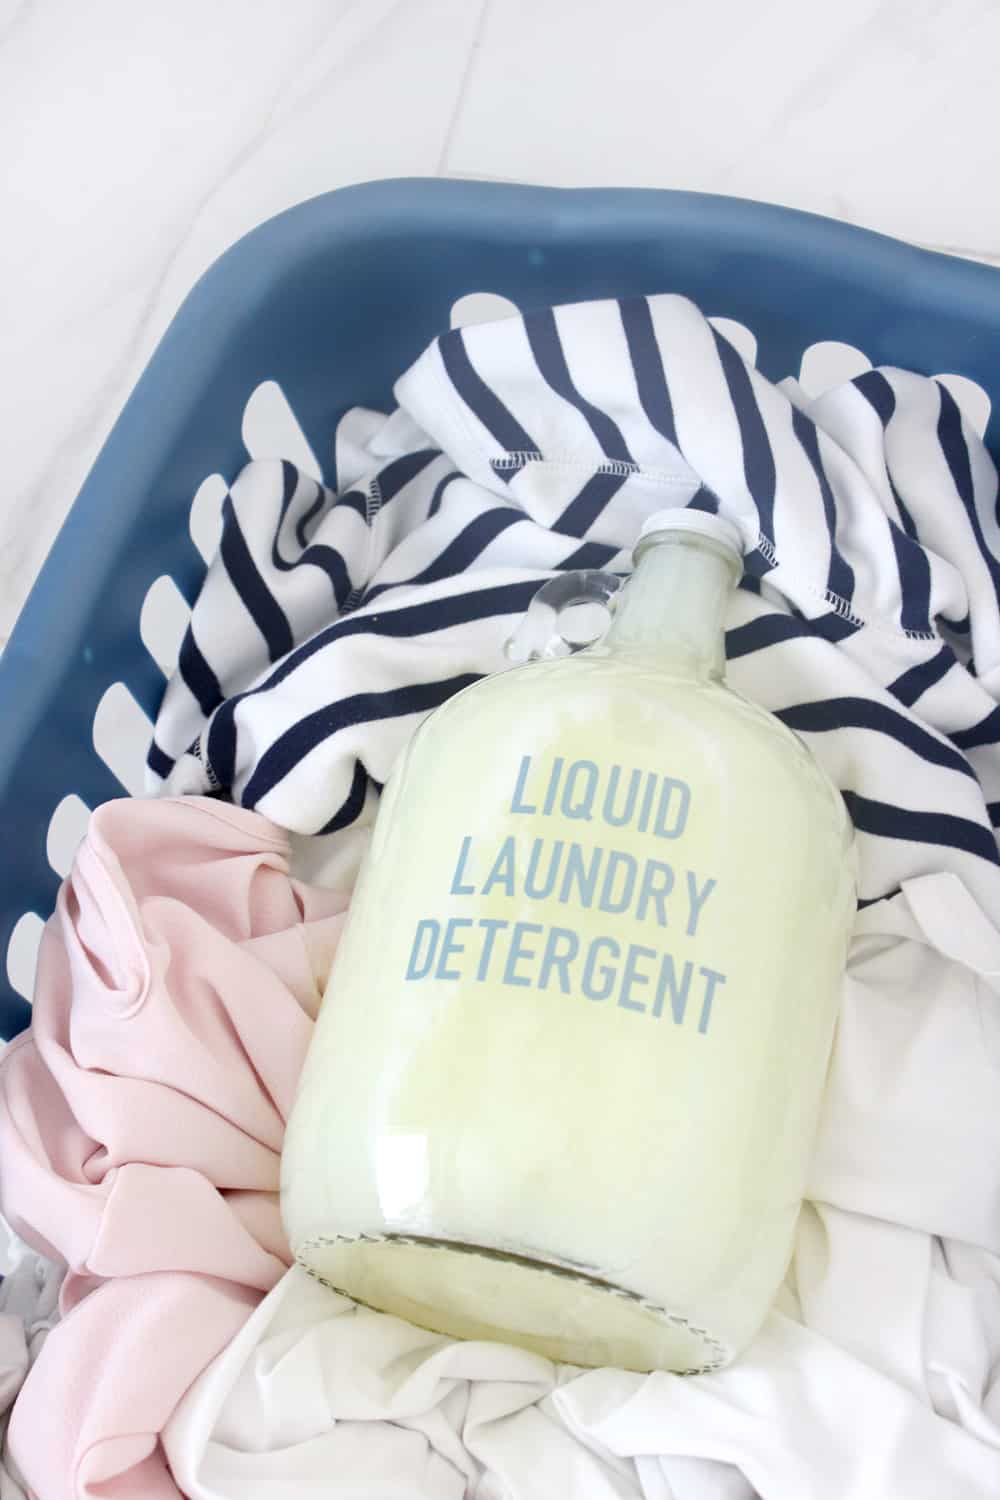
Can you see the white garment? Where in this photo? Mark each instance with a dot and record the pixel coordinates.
(29, 1310)
(879, 1378)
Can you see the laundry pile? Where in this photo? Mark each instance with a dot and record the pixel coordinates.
(141, 1117)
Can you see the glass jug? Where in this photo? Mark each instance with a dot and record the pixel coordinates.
(565, 1080)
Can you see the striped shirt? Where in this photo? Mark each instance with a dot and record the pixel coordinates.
(331, 622)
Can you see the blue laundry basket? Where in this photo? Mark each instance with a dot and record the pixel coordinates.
(332, 300)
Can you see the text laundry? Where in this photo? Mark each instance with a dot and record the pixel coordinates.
(610, 880)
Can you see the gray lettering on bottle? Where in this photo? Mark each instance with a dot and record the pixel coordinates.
(587, 980)
(449, 946)
(584, 876)
(619, 819)
(657, 883)
(517, 951)
(532, 888)
(553, 786)
(517, 803)
(420, 967)
(561, 961)
(672, 811)
(502, 873)
(492, 926)
(584, 808)
(712, 978)
(631, 976)
(617, 860)
(678, 992)
(647, 801)
(457, 888)
(696, 900)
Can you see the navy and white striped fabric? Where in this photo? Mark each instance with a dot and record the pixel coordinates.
(330, 624)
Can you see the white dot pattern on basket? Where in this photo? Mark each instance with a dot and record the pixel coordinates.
(22, 953)
(67, 826)
(164, 617)
(271, 430)
(481, 307)
(830, 363)
(122, 733)
(205, 520)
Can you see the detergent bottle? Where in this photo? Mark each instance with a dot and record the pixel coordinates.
(566, 1077)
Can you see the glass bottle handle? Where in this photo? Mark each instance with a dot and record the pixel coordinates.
(569, 612)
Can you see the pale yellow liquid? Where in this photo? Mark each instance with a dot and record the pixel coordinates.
(639, 1175)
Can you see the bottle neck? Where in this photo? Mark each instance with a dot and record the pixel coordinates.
(672, 610)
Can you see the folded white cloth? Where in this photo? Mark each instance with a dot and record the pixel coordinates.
(29, 1310)
(879, 1377)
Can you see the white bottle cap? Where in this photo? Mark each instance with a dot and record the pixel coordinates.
(702, 522)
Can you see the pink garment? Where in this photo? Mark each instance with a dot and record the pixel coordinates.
(141, 1122)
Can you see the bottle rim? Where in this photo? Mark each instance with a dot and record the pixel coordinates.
(697, 522)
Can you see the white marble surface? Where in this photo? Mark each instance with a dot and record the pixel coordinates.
(138, 140)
